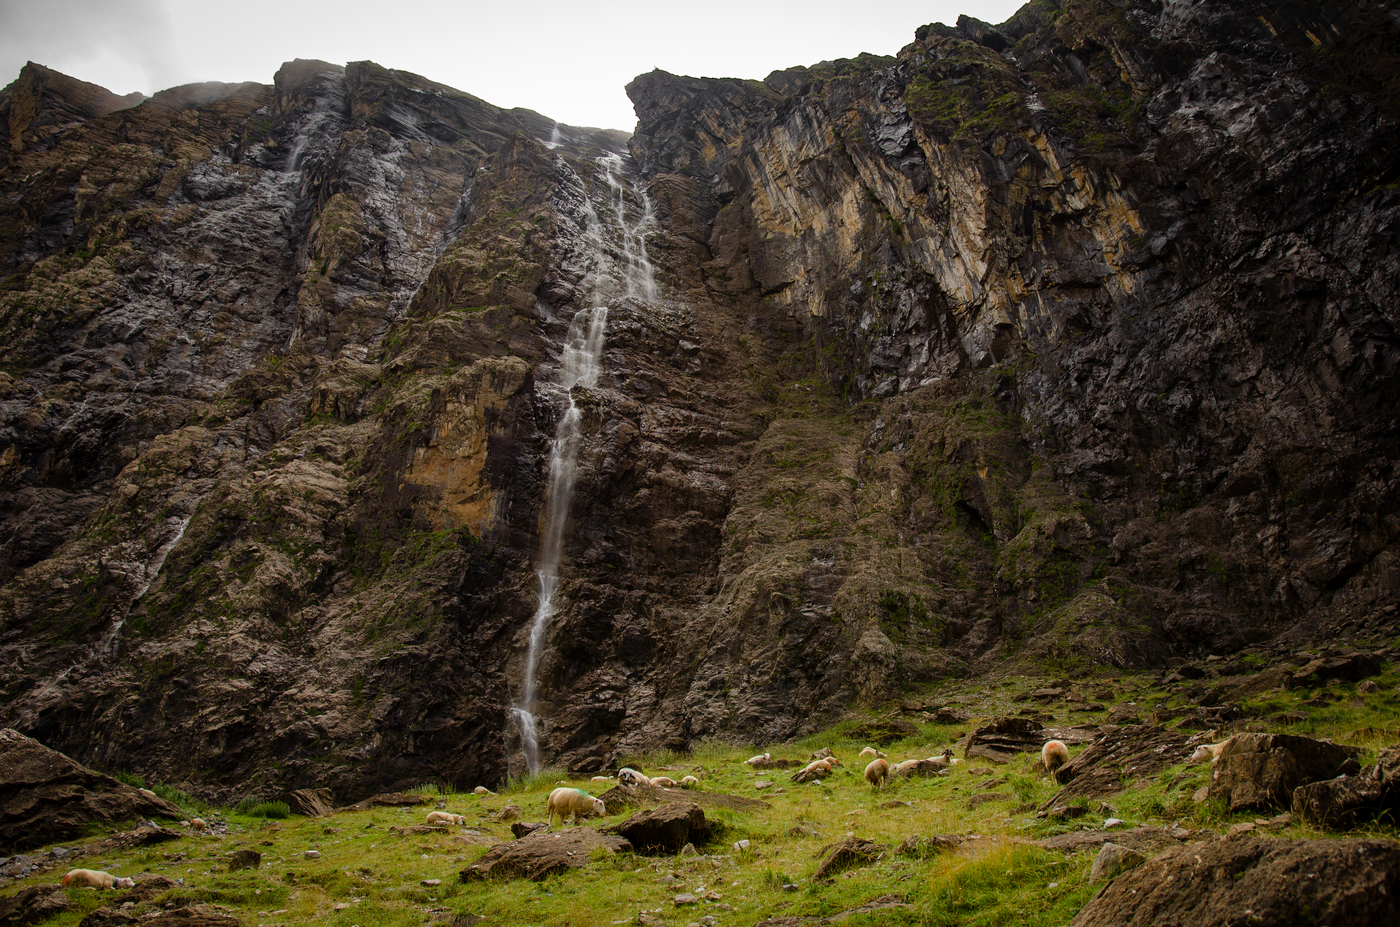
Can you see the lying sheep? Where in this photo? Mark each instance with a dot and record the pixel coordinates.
(629, 776)
(482, 790)
(901, 766)
(663, 782)
(443, 817)
(871, 751)
(1054, 755)
(602, 778)
(1209, 751)
(573, 802)
(761, 758)
(93, 878)
(877, 773)
(690, 782)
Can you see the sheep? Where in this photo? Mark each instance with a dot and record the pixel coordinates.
(905, 764)
(761, 758)
(819, 766)
(573, 802)
(482, 790)
(1209, 751)
(877, 773)
(602, 778)
(629, 776)
(443, 817)
(93, 878)
(871, 751)
(1054, 755)
(690, 782)
(198, 824)
(663, 782)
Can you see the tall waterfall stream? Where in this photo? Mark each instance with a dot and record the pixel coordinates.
(623, 270)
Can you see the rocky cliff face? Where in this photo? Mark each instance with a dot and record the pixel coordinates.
(1070, 341)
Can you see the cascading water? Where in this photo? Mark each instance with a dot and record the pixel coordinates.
(580, 365)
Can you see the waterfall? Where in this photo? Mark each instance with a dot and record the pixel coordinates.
(581, 363)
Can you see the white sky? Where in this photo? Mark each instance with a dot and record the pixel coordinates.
(567, 60)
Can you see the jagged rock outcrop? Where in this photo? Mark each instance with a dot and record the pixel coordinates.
(1070, 341)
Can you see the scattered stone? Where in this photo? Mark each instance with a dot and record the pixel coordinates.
(1112, 822)
(853, 851)
(741, 845)
(762, 784)
(509, 813)
(685, 898)
(45, 797)
(245, 859)
(536, 855)
(666, 829)
(312, 854)
(1344, 799)
(430, 883)
(1270, 878)
(1368, 687)
(1262, 770)
(1114, 858)
(977, 801)
(1064, 812)
(1123, 714)
(33, 904)
(924, 847)
(1145, 840)
(1351, 668)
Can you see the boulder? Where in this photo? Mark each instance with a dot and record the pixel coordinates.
(1001, 740)
(1262, 770)
(192, 915)
(883, 731)
(923, 847)
(1137, 751)
(536, 855)
(923, 769)
(45, 797)
(853, 851)
(666, 829)
(32, 905)
(1353, 667)
(1266, 881)
(311, 803)
(1112, 859)
(244, 859)
(386, 800)
(1340, 801)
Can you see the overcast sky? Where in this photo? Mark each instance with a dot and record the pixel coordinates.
(567, 60)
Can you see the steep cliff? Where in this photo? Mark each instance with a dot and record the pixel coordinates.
(1070, 341)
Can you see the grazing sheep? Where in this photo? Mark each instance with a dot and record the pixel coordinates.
(1209, 751)
(878, 772)
(482, 790)
(198, 824)
(761, 758)
(819, 766)
(690, 782)
(871, 751)
(663, 782)
(93, 878)
(573, 802)
(442, 817)
(1054, 755)
(629, 776)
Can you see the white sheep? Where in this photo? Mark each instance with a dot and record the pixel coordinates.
(443, 817)
(761, 758)
(573, 802)
(198, 824)
(628, 776)
(820, 766)
(482, 790)
(877, 773)
(1209, 751)
(690, 782)
(663, 782)
(93, 878)
(871, 751)
(905, 764)
(1054, 755)
(602, 778)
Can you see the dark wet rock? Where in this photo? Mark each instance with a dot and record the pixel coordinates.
(193, 915)
(1135, 752)
(1217, 881)
(776, 763)
(386, 800)
(309, 802)
(853, 851)
(1002, 739)
(1341, 801)
(666, 829)
(46, 797)
(1351, 668)
(541, 853)
(521, 828)
(1261, 770)
(919, 769)
(33, 904)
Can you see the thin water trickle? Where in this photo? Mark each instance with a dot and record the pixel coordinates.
(581, 364)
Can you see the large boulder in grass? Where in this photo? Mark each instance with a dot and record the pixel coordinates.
(1137, 751)
(666, 829)
(32, 905)
(311, 803)
(1340, 801)
(1267, 882)
(538, 854)
(45, 797)
(1258, 771)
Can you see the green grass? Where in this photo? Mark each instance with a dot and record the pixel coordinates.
(374, 866)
